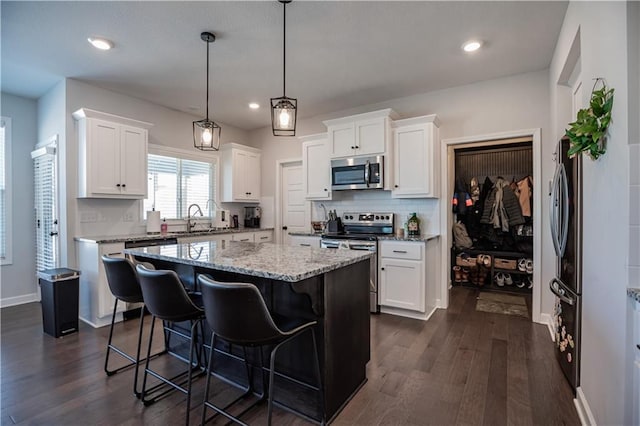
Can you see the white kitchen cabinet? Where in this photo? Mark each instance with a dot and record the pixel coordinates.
(416, 157)
(401, 275)
(316, 167)
(263, 236)
(304, 240)
(240, 172)
(96, 300)
(407, 277)
(112, 155)
(358, 135)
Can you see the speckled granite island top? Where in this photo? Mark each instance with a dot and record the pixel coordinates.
(268, 260)
(634, 293)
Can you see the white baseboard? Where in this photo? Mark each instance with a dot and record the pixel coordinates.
(547, 320)
(583, 409)
(408, 314)
(19, 300)
(101, 322)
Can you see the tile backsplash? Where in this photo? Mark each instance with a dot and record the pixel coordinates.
(427, 210)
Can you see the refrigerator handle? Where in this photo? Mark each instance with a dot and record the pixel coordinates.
(565, 209)
(556, 288)
(553, 212)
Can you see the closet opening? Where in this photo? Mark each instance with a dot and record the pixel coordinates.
(493, 222)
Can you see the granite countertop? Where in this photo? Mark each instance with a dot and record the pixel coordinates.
(268, 260)
(106, 239)
(634, 293)
(422, 238)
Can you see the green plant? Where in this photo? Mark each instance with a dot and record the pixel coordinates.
(589, 131)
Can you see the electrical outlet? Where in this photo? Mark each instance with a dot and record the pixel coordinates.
(128, 217)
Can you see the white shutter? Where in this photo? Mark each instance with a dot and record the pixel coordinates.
(44, 168)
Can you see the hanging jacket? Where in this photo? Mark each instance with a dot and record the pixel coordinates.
(461, 200)
(525, 187)
(502, 207)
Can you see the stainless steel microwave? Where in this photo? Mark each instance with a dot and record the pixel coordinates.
(357, 173)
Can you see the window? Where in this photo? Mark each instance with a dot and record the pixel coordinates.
(176, 182)
(5, 191)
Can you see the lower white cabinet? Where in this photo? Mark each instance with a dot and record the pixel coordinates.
(204, 238)
(401, 275)
(304, 240)
(263, 236)
(407, 277)
(96, 300)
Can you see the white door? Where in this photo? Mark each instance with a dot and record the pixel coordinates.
(46, 207)
(294, 208)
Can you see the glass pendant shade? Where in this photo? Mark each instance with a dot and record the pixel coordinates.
(206, 135)
(283, 116)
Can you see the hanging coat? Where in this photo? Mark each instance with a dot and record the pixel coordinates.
(502, 207)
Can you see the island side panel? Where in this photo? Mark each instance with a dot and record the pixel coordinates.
(347, 345)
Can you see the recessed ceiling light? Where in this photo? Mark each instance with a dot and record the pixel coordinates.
(100, 43)
(254, 105)
(471, 46)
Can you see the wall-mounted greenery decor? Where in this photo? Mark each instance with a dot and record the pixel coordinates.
(588, 133)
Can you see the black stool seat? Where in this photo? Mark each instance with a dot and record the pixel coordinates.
(125, 286)
(166, 299)
(237, 313)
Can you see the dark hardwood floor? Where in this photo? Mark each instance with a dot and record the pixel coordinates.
(461, 367)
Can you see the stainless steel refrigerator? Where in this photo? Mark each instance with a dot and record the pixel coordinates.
(566, 233)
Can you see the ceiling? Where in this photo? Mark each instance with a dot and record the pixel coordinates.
(340, 55)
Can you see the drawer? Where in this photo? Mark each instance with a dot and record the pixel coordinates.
(401, 250)
(263, 236)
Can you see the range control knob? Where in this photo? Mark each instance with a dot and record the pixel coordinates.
(377, 217)
(386, 217)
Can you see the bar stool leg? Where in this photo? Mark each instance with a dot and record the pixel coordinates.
(146, 364)
(194, 332)
(106, 360)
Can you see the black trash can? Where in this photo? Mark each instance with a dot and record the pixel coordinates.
(59, 288)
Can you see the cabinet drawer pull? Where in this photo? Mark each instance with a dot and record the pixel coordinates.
(305, 245)
(264, 238)
(245, 239)
(118, 185)
(400, 251)
(124, 184)
(115, 254)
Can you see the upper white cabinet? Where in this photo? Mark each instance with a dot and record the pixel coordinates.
(316, 166)
(363, 134)
(112, 155)
(416, 157)
(240, 171)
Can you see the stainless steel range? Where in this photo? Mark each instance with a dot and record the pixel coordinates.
(361, 232)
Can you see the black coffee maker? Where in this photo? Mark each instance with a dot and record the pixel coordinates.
(252, 217)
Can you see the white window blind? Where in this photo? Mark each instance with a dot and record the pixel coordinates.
(175, 183)
(44, 175)
(5, 191)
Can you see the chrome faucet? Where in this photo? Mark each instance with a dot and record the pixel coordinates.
(325, 211)
(190, 225)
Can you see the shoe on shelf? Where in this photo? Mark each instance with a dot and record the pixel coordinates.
(499, 279)
(522, 265)
(529, 266)
(521, 283)
(530, 279)
(457, 274)
(507, 279)
(487, 261)
(465, 275)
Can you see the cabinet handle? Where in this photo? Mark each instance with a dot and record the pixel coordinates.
(244, 239)
(124, 184)
(395, 186)
(382, 269)
(399, 251)
(264, 238)
(118, 185)
(325, 189)
(357, 147)
(305, 245)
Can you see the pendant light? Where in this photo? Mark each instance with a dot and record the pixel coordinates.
(206, 133)
(283, 109)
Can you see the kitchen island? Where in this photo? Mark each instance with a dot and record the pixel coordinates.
(329, 286)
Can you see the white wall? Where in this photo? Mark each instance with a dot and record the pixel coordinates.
(18, 282)
(505, 104)
(603, 48)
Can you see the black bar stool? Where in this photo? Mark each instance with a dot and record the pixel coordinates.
(237, 313)
(124, 285)
(166, 299)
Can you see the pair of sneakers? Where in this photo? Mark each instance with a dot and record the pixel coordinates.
(503, 278)
(525, 265)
